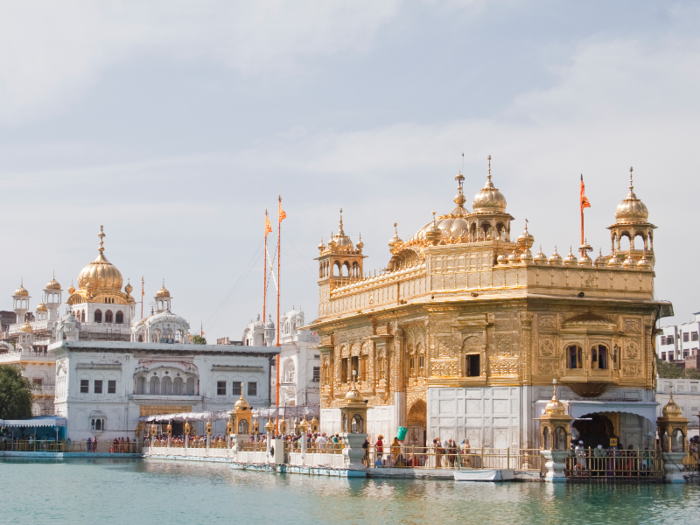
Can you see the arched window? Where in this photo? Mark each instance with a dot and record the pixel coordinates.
(190, 386)
(357, 425)
(141, 338)
(177, 387)
(243, 426)
(599, 357)
(109, 317)
(547, 440)
(559, 439)
(82, 316)
(120, 318)
(574, 356)
(155, 386)
(166, 387)
(98, 316)
(141, 385)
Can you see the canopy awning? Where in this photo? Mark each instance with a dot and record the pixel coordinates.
(42, 421)
(287, 412)
(188, 416)
(581, 408)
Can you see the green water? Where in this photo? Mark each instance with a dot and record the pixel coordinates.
(97, 491)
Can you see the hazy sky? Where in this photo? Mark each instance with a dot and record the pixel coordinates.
(175, 123)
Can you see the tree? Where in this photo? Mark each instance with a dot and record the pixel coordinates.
(15, 393)
(199, 340)
(672, 371)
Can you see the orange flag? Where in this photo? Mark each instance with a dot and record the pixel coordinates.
(268, 227)
(282, 215)
(585, 203)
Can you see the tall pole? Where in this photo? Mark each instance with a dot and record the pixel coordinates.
(143, 293)
(267, 230)
(279, 257)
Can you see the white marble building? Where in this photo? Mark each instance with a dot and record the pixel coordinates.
(299, 358)
(103, 387)
(678, 342)
(686, 394)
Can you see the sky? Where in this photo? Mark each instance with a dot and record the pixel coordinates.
(176, 123)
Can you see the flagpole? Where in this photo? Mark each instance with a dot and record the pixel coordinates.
(279, 257)
(143, 293)
(581, 204)
(265, 269)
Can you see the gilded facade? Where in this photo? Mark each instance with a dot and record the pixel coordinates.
(462, 333)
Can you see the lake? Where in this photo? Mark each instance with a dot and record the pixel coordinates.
(125, 491)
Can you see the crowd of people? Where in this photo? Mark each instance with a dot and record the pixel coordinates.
(440, 454)
(615, 460)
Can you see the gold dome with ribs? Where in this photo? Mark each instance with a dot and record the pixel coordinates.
(100, 274)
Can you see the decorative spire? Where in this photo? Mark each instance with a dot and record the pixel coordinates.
(489, 175)
(101, 235)
(554, 390)
(340, 227)
(631, 181)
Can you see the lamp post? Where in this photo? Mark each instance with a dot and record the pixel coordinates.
(303, 427)
(673, 432)
(555, 438)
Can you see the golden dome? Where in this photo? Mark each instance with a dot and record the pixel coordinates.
(502, 259)
(540, 258)
(395, 241)
(42, 308)
(100, 274)
(22, 291)
(631, 209)
(571, 259)
(629, 262)
(526, 239)
(672, 410)
(128, 288)
(644, 263)
(241, 404)
(555, 407)
(353, 395)
(555, 259)
(269, 426)
(489, 199)
(71, 289)
(513, 258)
(26, 328)
(163, 292)
(585, 261)
(613, 262)
(53, 284)
(340, 240)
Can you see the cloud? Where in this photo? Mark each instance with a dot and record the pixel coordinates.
(52, 53)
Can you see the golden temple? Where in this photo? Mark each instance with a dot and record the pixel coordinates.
(462, 333)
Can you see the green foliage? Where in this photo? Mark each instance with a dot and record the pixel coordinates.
(199, 340)
(668, 370)
(15, 393)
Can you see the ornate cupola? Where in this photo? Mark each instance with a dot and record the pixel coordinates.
(20, 302)
(52, 298)
(341, 261)
(632, 221)
(163, 300)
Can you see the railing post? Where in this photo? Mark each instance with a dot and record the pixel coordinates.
(508, 460)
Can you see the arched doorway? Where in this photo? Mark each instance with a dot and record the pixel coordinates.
(416, 423)
(594, 430)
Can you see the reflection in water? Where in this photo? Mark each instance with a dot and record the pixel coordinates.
(145, 491)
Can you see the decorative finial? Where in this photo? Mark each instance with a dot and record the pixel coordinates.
(554, 388)
(101, 235)
(489, 167)
(526, 221)
(396, 229)
(434, 223)
(341, 219)
(670, 400)
(631, 181)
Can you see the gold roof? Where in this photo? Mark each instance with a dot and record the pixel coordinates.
(163, 292)
(489, 199)
(631, 209)
(26, 328)
(22, 291)
(353, 395)
(241, 404)
(100, 274)
(672, 410)
(555, 408)
(71, 289)
(53, 284)
(42, 308)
